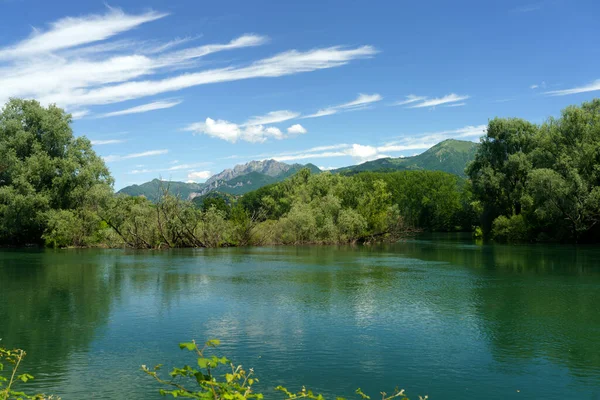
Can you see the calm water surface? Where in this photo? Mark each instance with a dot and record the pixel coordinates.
(442, 317)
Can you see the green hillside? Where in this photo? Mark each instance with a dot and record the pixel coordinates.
(246, 183)
(448, 156)
(297, 167)
(152, 189)
(255, 180)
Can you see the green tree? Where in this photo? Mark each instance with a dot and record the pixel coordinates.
(44, 169)
(499, 171)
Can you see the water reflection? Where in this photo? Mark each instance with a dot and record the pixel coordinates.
(430, 315)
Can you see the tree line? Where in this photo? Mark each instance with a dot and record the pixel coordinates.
(540, 182)
(527, 183)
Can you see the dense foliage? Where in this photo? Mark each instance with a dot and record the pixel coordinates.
(48, 178)
(305, 208)
(540, 183)
(526, 183)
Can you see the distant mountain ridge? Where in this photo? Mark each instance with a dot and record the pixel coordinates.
(267, 167)
(450, 156)
(152, 190)
(241, 179)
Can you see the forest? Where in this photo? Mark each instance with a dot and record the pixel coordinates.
(527, 183)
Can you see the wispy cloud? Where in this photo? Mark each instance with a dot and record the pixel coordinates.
(455, 105)
(362, 153)
(157, 105)
(103, 142)
(288, 63)
(528, 8)
(590, 87)
(504, 100)
(179, 167)
(362, 101)
(538, 86)
(411, 98)
(79, 114)
(76, 62)
(149, 153)
(70, 32)
(272, 118)
(450, 98)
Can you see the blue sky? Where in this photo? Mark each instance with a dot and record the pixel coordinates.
(183, 89)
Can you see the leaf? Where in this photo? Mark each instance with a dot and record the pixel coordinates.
(25, 377)
(250, 381)
(228, 377)
(203, 362)
(187, 345)
(213, 343)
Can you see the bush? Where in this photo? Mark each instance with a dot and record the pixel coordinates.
(510, 230)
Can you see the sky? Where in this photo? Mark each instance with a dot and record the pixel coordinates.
(184, 89)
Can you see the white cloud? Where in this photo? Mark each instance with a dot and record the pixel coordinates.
(249, 131)
(272, 118)
(79, 114)
(591, 87)
(326, 168)
(196, 176)
(70, 32)
(157, 105)
(411, 98)
(426, 140)
(362, 153)
(529, 8)
(450, 98)
(76, 62)
(275, 132)
(538, 86)
(287, 63)
(361, 102)
(176, 167)
(455, 105)
(217, 128)
(103, 142)
(184, 166)
(149, 153)
(233, 132)
(296, 129)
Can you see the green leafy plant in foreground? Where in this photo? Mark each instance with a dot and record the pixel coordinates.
(236, 384)
(14, 358)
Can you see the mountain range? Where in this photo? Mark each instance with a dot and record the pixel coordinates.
(449, 156)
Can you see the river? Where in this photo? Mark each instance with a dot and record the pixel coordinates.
(440, 316)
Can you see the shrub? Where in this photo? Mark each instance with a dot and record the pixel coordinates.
(513, 229)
